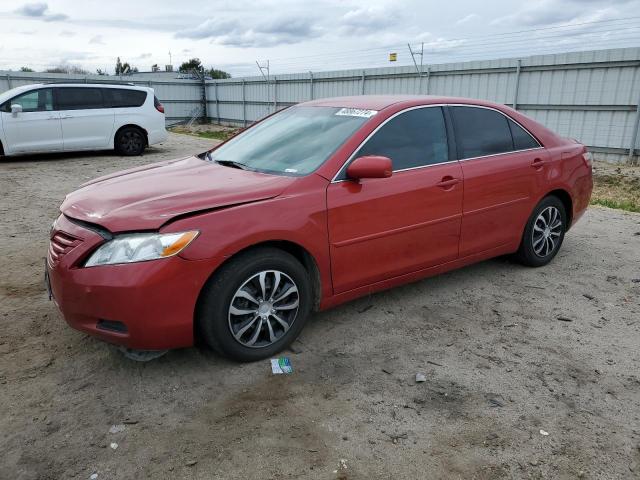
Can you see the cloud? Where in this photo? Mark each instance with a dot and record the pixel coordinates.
(40, 10)
(97, 40)
(144, 55)
(367, 20)
(468, 18)
(551, 12)
(67, 33)
(284, 30)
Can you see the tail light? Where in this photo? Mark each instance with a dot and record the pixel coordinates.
(158, 105)
(588, 158)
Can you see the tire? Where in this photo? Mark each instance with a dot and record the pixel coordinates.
(543, 235)
(130, 141)
(248, 330)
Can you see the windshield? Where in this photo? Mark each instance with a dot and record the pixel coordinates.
(295, 141)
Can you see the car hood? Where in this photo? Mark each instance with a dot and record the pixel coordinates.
(147, 197)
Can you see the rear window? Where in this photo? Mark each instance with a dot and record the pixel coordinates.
(522, 140)
(480, 132)
(122, 98)
(74, 98)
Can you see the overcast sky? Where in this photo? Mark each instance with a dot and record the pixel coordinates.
(303, 35)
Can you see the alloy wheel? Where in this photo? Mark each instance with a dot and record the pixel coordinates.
(131, 142)
(263, 309)
(546, 231)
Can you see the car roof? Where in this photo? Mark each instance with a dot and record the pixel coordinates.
(379, 102)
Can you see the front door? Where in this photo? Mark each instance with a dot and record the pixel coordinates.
(35, 129)
(382, 228)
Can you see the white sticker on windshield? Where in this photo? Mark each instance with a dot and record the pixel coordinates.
(356, 112)
(291, 170)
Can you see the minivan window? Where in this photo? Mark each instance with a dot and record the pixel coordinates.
(412, 139)
(72, 98)
(294, 141)
(480, 132)
(34, 101)
(123, 98)
(522, 140)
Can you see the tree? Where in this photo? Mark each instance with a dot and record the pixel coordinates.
(190, 65)
(124, 68)
(67, 69)
(99, 71)
(155, 67)
(26, 69)
(215, 73)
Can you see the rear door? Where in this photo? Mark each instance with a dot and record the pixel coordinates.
(386, 227)
(36, 128)
(503, 167)
(87, 121)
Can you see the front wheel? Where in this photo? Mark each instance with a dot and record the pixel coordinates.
(256, 305)
(544, 233)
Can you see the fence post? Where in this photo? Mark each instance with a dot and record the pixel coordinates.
(205, 115)
(215, 91)
(9, 81)
(275, 94)
(634, 133)
(244, 105)
(428, 78)
(515, 90)
(363, 80)
(311, 85)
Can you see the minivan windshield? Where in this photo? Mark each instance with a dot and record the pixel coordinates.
(295, 141)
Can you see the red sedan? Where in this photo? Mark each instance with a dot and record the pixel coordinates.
(316, 205)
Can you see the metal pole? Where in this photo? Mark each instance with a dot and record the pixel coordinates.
(311, 85)
(634, 134)
(215, 91)
(363, 80)
(244, 106)
(428, 77)
(205, 115)
(515, 90)
(275, 94)
(9, 81)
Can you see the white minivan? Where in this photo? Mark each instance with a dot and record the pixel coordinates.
(72, 117)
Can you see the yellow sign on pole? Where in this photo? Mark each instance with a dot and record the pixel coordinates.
(393, 57)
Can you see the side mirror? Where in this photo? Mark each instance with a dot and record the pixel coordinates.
(372, 166)
(16, 109)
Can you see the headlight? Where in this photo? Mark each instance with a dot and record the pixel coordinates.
(139, 247)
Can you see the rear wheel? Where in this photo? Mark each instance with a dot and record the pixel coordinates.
(130, 141)
(544, 233)
(256, 305)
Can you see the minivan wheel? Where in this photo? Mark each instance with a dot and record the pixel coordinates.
(130, 141)
(544, 233)
(256, 305)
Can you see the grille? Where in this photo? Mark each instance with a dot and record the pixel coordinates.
(60, 244)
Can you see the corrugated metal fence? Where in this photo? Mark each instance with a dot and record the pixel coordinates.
(591, 96)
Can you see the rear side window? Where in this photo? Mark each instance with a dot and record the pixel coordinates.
(412, 139)
(480, 132)
(34, 101)
(122, 98)
(522, 140)
(73, 98)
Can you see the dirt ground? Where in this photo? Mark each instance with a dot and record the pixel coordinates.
(530, 373)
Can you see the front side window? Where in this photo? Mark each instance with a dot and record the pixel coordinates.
(79, 98)
(480, 132)
(295, 141)
(412, 139)
(34, 101)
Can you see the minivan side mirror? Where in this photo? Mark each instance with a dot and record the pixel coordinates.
(370, 166)
(16, 109)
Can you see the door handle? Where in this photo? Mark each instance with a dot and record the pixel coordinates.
(538, 163)
(448, 182)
